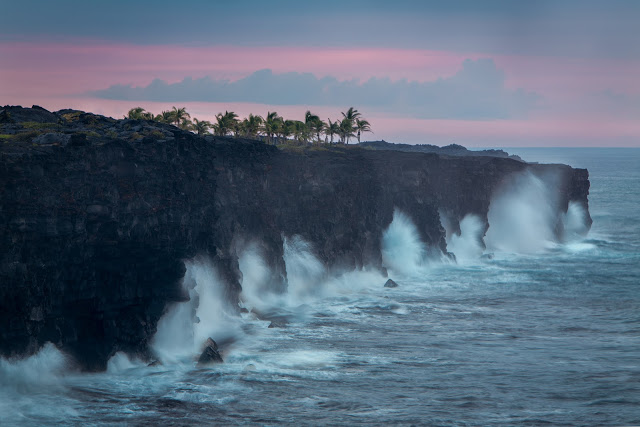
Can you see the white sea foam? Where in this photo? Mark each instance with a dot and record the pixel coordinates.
(308, 281)
(467, 246)
(522, 216)
(575, 223)
(121, 362)
(305, 273)
(47, 366)
(186, 326)
(403, 252)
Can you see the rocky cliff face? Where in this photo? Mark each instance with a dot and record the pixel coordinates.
(97, 216)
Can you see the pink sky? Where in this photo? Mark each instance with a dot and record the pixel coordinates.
(55, 75)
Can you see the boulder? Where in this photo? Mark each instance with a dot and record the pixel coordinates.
(210, 354)
(390, 284)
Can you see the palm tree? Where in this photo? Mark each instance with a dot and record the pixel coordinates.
(201, 127)
(309, 118)
(179, 115)
(332, 128)
(186, 124)
(346, 130)
(318, 127)
(314, 124)
(239, 128)
(362, 126)
(351, 116)
(287, 129)
(301, 131)
(253, 125)
(165, 117)
(139, 113)
(272, 125)
(225, 123)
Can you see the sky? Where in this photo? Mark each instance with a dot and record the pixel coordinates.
(478, 73)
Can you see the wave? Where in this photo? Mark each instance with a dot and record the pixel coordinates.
(522, 216)
(522, 219)
(403, 252)
(46, 367)
(186, 326)
(468, 245)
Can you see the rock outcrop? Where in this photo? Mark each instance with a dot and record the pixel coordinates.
(210, 355)
(390, 284)
(94, 228)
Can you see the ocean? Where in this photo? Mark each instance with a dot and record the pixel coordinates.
(528, 331)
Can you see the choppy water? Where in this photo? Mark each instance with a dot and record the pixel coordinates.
(543, 333)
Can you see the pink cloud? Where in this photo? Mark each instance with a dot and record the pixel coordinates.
(97, 65)
(53, 74)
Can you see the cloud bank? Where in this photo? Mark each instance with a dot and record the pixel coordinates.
(476, 92)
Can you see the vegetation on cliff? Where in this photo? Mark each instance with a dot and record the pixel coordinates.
(272, 129)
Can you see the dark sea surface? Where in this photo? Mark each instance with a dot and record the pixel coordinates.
(539, 333)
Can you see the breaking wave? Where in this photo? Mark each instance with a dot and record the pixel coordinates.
(467, 245)
(522, 216)
(403, 252)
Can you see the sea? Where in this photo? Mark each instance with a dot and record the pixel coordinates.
(532, 329)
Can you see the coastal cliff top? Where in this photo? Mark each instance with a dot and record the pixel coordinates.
(37, 127)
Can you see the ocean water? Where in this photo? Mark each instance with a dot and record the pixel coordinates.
(540, 332)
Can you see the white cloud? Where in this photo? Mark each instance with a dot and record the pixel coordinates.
(476, 92)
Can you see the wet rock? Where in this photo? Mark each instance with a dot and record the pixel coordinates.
(210, 354)
(155, 363)
(277, 324)
(390, 284)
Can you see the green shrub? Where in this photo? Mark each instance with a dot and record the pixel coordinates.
(36, 125)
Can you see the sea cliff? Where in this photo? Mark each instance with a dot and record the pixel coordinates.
(97, 216)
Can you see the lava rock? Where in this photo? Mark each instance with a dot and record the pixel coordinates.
(390, 284)
(210, 354)
(52, 138)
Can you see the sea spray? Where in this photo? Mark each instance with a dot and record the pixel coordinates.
(403, 252)
(522, 216)
(467, 245)
(186, 326)
(575, 222)
(306, 277)
(257, 292)
(45, 367)
(121, 362)
(305, 272)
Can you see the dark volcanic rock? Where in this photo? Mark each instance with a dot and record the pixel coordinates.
(390, 284)
(93, 234)
(210, 354)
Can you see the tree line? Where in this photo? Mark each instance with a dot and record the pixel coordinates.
(273, 128)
